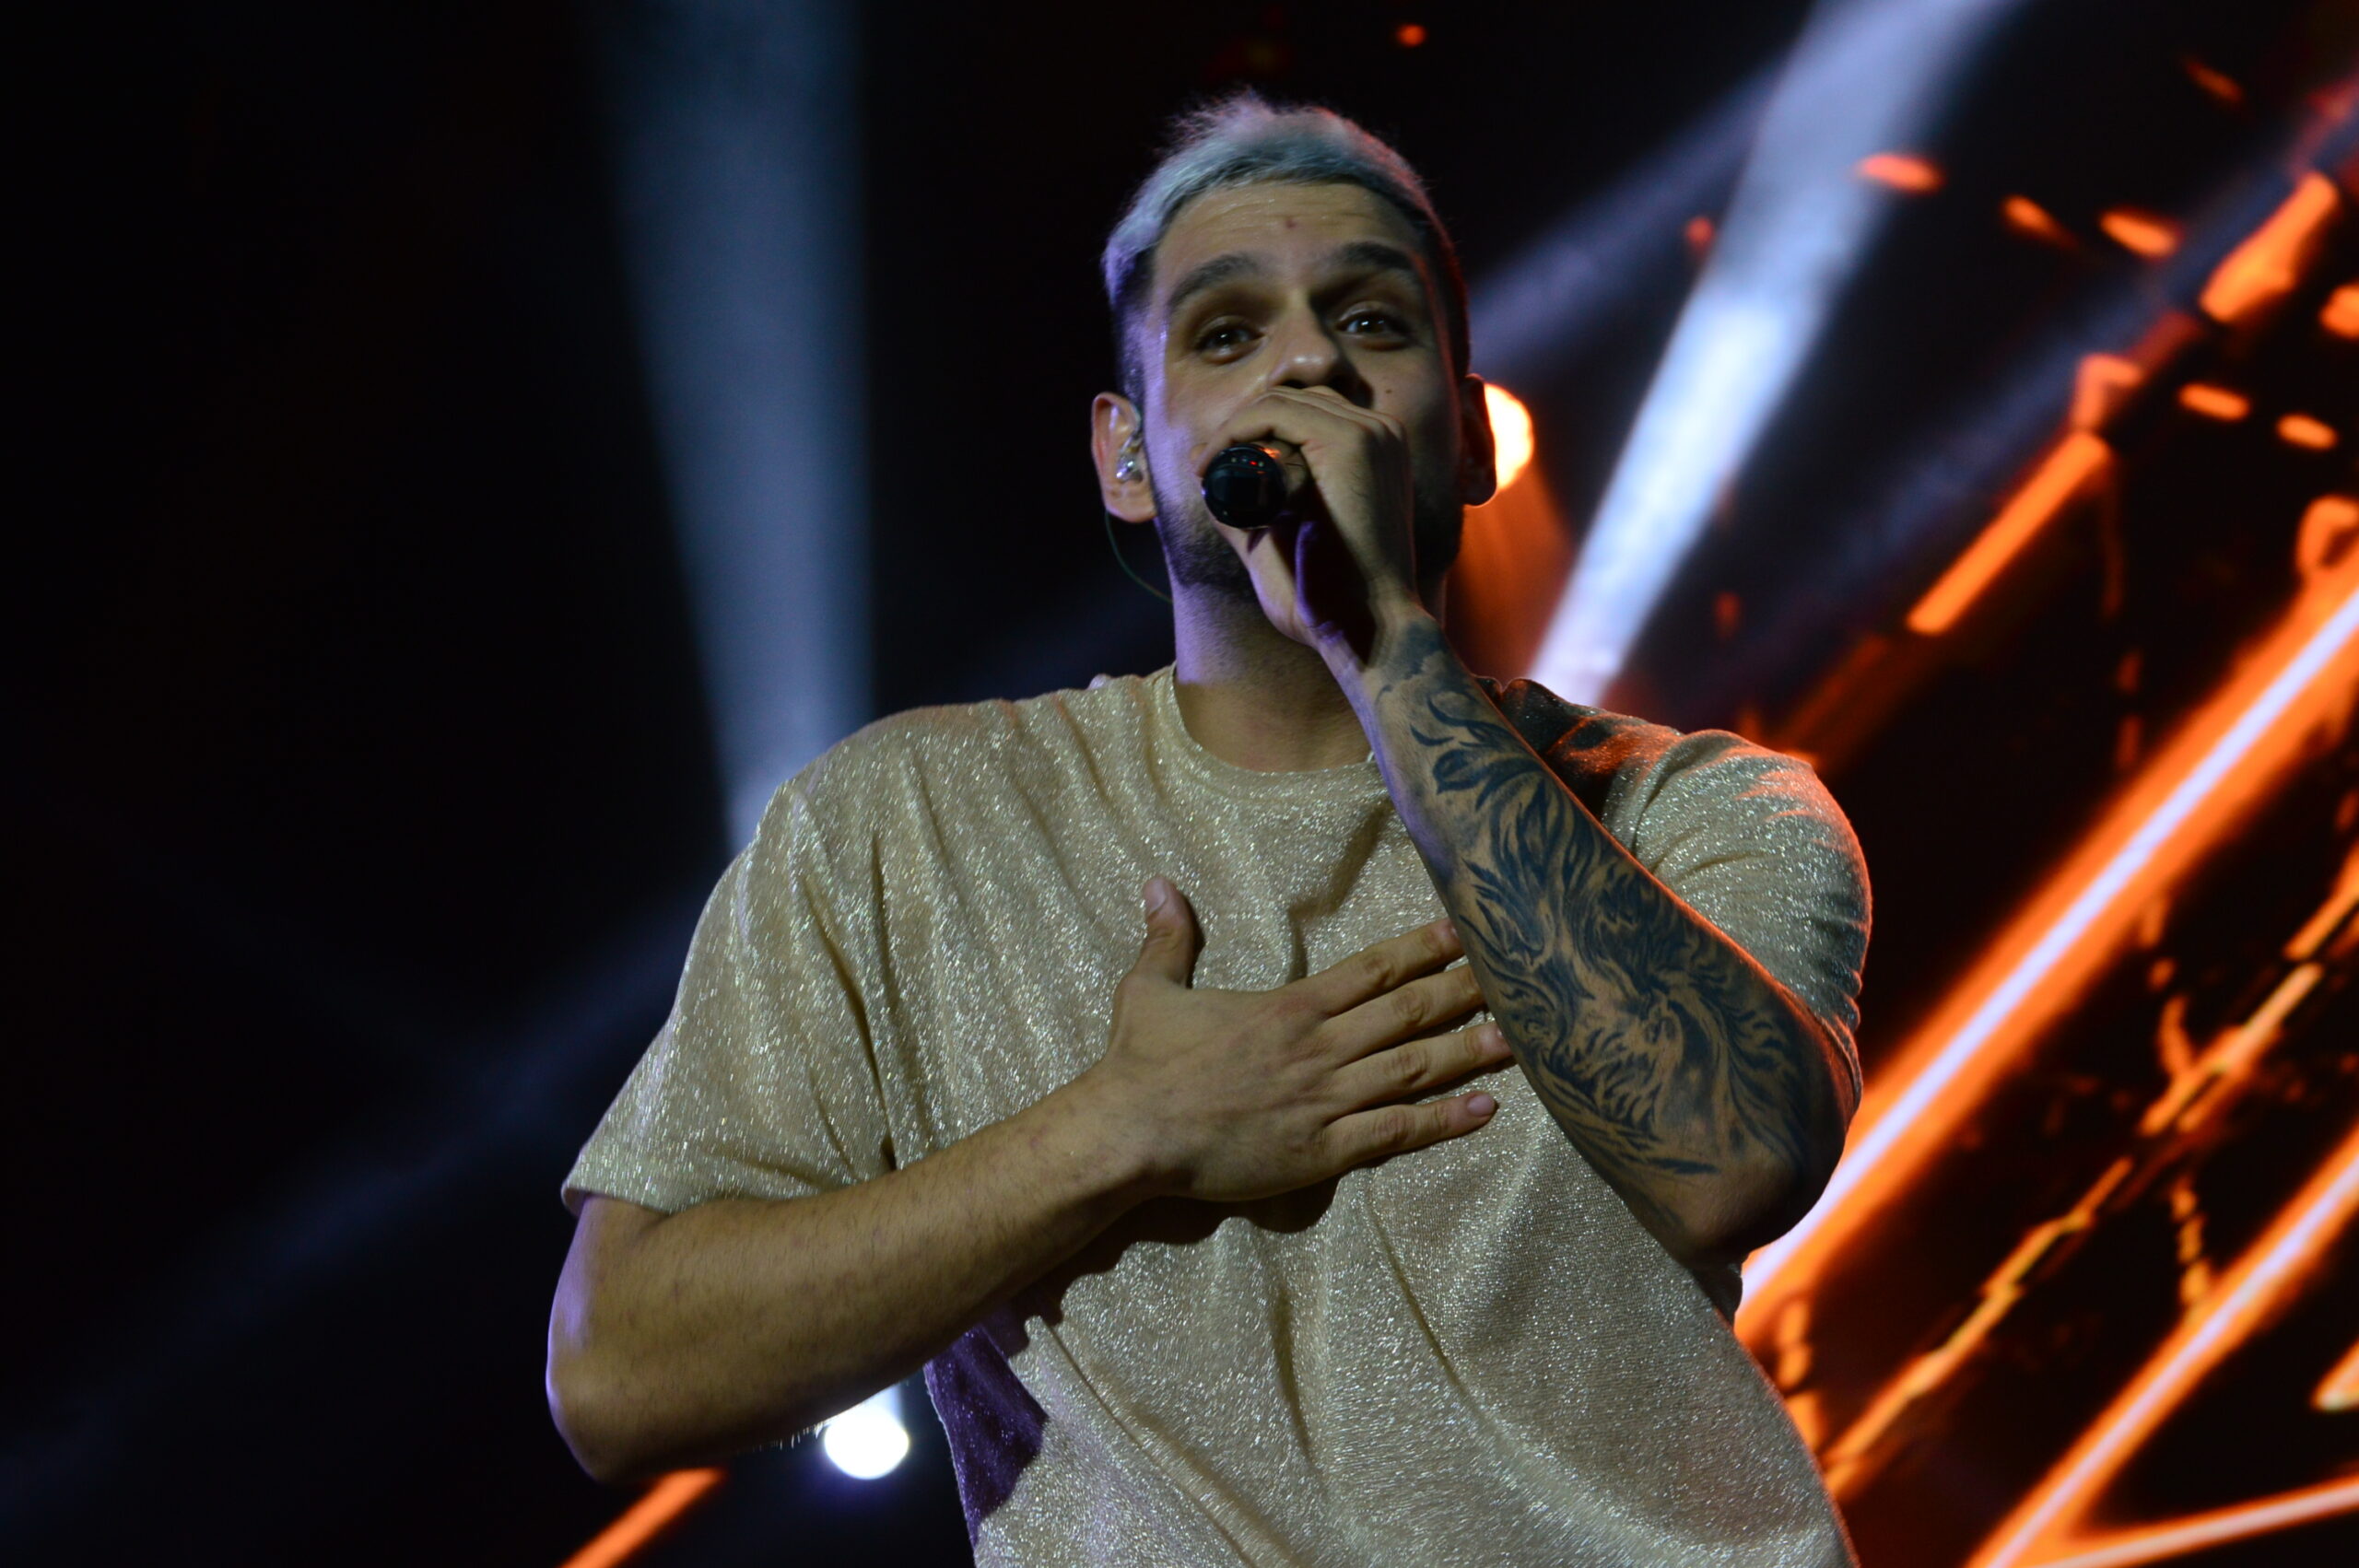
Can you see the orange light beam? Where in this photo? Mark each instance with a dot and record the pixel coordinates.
(2100, 386)
(2306, 943)
(2199, 1530)
(664, 1502)
(2180, 1109)
(2169, 815)
(2305, 430)
(2324, 532)
(2214, 403)
(1903, 171)
(2339, 1390)
(2218, 84)
(2339, 314)
(2203, 1338)
(2077, 458)
(2266, 267)
(2233, 1054)
(2142, 232)
(2027, 217)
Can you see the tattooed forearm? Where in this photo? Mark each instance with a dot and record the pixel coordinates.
(1691, 1081)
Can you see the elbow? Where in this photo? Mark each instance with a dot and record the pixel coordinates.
(1761, 1197)
(595, 1423)
(1743, 1211)
(626, 1423)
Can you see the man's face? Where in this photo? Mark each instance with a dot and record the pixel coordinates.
(1275, 285)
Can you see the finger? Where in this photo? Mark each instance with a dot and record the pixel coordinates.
(1172, 940)
(1419, 1007)
(1306, 441)
(1373, 421)
(1421, 1066)
(1396, 1129)
(1374, 970)
(1302, 428)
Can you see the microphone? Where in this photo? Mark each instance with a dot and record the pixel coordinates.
(1246, 486)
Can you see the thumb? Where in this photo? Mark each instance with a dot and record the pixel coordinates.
(1172, 940)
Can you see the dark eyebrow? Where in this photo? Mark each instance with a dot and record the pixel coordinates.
(1366, 255)
(1375, 255)
(1219, 270)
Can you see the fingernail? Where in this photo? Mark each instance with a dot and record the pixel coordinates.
(1158, 892)
(1448, 930)
(1481, 1104)
(1493, 1036)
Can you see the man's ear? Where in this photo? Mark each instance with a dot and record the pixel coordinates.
(1117, 445)
(1478, 454)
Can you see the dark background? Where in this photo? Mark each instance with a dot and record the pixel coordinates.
(359, 781)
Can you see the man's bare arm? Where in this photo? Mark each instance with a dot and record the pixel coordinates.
(685, 1337)
(1695, 1082)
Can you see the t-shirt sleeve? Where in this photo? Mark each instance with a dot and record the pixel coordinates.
(1750, 839)
(762, 1083)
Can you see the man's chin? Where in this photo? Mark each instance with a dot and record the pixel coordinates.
(1200, 561)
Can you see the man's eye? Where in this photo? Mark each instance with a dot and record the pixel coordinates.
(1226, 338)
(1375, 323)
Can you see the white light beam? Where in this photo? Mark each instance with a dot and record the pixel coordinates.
(1867, 77)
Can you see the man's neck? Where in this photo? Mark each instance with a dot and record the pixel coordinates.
(1254, 697)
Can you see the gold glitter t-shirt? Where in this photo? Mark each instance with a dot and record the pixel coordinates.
(1471, 1354)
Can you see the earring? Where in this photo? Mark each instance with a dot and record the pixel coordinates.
(1126, 467)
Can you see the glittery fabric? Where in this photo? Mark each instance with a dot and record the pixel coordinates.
(1470, 1354)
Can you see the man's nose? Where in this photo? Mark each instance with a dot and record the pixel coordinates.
(1310, 355)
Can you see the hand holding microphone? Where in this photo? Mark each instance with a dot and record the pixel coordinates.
(1320, 487)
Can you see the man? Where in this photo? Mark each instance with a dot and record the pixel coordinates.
(1244, 1246)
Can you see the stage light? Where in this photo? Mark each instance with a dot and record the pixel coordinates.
(1410, 35)
(2328, 526)
(2076, 461)
(2142, 232)
(637, 1525)
(2184, 1538)
(2205, 1084)
(2302, 431)
(2100, 387)
(1534, 315)
(1510, 433)
(2214, 403)
(2217, 84)
(2230, 750)
(2339, 315)
(1866, 75)
(2270, 262)
(2245, 1297)
(735, 150)
(2338, 1390)
(1947, 477)
(1512, 556)
(868, 1440)
(1902, 171)
(2027, 217)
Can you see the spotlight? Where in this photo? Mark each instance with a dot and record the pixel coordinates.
(868, 1440)
(1867, 76)
(1510, 432)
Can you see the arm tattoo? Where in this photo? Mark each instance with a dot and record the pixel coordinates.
(1666, 1054)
